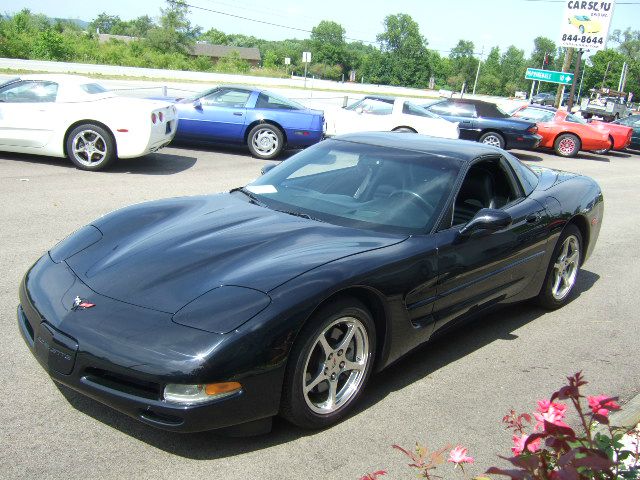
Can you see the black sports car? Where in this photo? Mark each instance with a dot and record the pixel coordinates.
(484, 122)
(282, 297)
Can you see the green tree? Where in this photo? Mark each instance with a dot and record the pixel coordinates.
(327, 43)
(513, 66)
(405, 59)
(215, 37)
(542, 46)
(463, 64)
(105, 23)
(175, 33)
(490, 78)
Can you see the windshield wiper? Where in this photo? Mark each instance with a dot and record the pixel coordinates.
(252, 197)
(299, 214)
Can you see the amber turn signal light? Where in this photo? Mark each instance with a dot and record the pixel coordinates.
(220, 388)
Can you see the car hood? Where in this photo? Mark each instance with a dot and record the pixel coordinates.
(163, 254)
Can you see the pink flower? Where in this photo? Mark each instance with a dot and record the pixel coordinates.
(601, 404)
(518, 444)
(549, 412)
(459, 455)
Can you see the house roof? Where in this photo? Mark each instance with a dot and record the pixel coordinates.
(220, 51)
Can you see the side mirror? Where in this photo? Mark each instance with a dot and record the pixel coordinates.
(268, 167)
(197, 104)
(488, 219)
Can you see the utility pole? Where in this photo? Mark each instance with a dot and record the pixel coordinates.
(576, 74)
(568, 56)
(544, 63)
(478, 71)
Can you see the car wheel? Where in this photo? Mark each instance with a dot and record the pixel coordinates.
(404, 129)
(563, 268)
(604, 151)
(492, 138)
(329, 365)
(567, 145)
(91, 147)
(265, 141)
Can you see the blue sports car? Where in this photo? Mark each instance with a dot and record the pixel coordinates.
(262, 120)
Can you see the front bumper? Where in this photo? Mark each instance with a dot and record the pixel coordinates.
(85, 351)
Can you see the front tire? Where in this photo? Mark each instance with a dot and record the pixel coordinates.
(91, 147)
(404, 130)
(562, 271)
(265, 141)
(493, 139)
(329, 365)
(567, 145)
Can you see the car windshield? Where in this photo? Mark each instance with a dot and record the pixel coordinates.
(359, 185)
(372, 106)
(535, 114)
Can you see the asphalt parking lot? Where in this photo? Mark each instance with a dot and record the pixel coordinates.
(454, 391)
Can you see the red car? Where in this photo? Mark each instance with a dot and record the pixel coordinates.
(619, 135)
(565, 133)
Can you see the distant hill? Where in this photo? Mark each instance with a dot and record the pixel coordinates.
(81, 23)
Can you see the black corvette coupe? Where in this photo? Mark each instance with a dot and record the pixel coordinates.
(283, 296)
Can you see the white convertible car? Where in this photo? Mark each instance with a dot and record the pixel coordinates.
(382, 113)
(68, 115)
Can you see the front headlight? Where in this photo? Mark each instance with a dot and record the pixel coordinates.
(195, 394)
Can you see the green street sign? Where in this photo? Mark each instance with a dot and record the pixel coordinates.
(549, 76)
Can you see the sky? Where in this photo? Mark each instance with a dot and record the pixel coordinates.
(487, 23)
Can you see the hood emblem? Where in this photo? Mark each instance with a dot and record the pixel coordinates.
(79, 303)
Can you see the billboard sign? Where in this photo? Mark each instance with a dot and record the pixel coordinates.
(585, 24)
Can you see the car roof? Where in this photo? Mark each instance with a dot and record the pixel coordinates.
(58, 78)
(460, 150)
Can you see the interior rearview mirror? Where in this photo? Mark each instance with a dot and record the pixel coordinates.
(488, 219)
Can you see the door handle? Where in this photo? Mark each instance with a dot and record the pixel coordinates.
(237, 114)
(533, 217)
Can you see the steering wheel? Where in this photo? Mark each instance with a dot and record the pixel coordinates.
(414, 196)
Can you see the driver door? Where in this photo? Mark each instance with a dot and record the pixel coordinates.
(485, 268)
(218, 117)
(27, 113)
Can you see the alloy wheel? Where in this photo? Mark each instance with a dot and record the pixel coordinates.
(336, 365)
(89, 147)
(565, 270)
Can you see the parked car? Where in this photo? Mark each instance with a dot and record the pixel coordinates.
(619, 135)
(382, 113)
(632, 121)
(267, 123)
(565, 133)
(544, 98)
(585, 24)
(284, 296)
(73, 116)
(485, 122)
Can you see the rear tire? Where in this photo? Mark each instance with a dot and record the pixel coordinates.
(329, 365)
(563, 269)
(404, 129)
(265, 141)
(567, 145)
(493, 139)
(91, 147)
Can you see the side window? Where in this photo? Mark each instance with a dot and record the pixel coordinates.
(466, 110)
(487, 184)
(443, 108)
(275, 102)
(409, 108)
(227, 98)
(28, 91)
